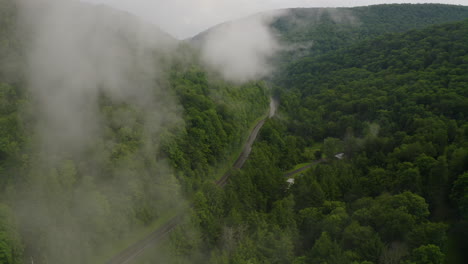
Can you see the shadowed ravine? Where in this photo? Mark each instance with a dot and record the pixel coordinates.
(130, 254)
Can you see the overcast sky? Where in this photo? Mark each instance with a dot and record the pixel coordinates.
(185, 18)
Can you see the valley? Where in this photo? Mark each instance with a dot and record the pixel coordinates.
(122, 144)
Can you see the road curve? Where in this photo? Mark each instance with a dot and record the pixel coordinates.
(244, 155)
(248, 145)
(130, 254)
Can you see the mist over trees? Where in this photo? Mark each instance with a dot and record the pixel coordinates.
(109, 126)
(396, 106)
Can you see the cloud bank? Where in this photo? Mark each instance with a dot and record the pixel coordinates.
(78, 52)
(95, 81)
(241, 50)
(186, 18)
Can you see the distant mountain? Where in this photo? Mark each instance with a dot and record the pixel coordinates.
(320, 30)
(314, 31)
(18, 21)
(158, 126)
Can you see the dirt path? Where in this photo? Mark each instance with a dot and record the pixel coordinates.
(289, 174)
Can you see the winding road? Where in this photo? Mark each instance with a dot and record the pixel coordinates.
(130, 254)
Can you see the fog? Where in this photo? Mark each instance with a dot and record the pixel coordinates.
(241, 50)
(186, 18)
(76, 52)
(96, 81)
(100, 106)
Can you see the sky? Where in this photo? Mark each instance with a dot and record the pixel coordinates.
(185, 18)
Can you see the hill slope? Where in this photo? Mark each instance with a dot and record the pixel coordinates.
(396, 106)
(315, 31)
(107, 124)
(330, 28)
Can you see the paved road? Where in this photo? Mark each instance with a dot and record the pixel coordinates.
(248, 145)
(244, 155)
(130, 254)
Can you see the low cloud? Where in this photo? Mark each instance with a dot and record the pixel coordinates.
(241, 50)
(95, 82)
(78, 51)
(186, 18)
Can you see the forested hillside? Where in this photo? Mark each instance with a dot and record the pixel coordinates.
(80, 202)
(315, 31)
(110, 131)
(396, 106)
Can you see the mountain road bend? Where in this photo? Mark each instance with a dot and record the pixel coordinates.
(131, 253)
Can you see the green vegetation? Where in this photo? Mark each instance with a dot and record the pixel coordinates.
(11, 248)
(132, 176)
(394, 101)
(298, 166)
(396, 106)
(217, 117)
(123, 244)
(316, 31)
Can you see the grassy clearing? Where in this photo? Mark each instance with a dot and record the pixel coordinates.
(298, 166)
(309, 152)
(315, 147)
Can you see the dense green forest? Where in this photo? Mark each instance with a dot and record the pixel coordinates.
(356, 81)
(397, 107)
(76, 207)
(315, 31)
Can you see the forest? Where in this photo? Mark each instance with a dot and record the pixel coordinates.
(396, 105)
(386, 85)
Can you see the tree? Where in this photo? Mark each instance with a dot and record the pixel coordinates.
(283, 213)
(393, 253)
(408, 178)
(327, 251)
(428, 233)
(393, 216)
(364, 241)
(307, 192)
(335, 221)
(376, 181)
(11, 249)
(427, 254)
(459, 194)
(206, 220)
(276, 247)
(331, 146)
(318, 154)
